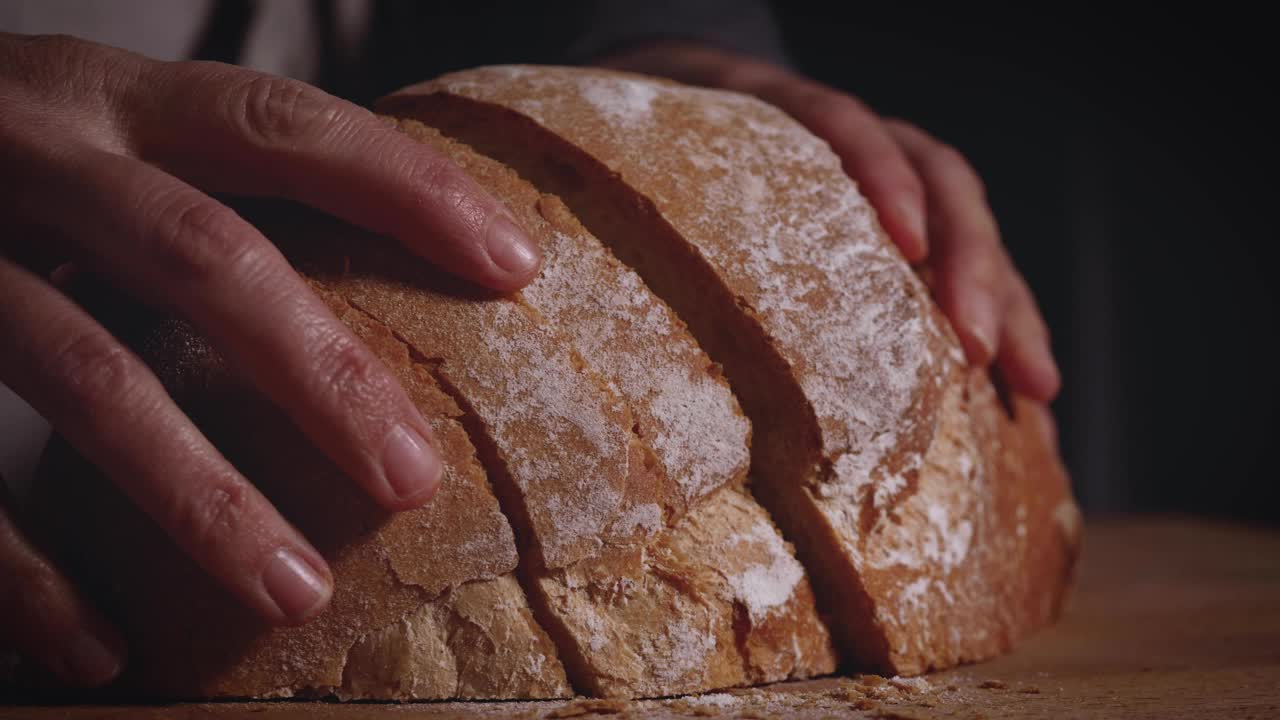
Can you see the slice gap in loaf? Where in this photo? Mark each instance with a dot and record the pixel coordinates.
(770, 639)
(512, 505)
(683, 614)
(785, 447)
(480, 639)
(717, 599)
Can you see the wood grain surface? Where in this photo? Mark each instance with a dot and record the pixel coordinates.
(1171, 618)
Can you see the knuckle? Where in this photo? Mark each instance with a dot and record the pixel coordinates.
(904, 182)
(52, 54)
(988, 274)
(93, 370)
(946, 158)
(352, 372)
(977, 270)
(31, 587)
(62, 69)
(902, 127)
(950, 163)
(435, 177)
(200, 240)
(42, 588)
(824, 102)
(273, 111)
(438, 182)
(207, 520)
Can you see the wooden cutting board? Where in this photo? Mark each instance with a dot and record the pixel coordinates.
(1172, 617)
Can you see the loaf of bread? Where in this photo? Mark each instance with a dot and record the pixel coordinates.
(936, 528)
(598, 531)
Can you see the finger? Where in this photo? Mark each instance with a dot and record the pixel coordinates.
(1041, 420)
(971, 269)
(109, 406)
(1026, 358)
(229, 130)
(870, 156)
(65, 275)
(44, 617)
(178, 248)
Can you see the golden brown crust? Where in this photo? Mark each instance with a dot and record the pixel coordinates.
(718, 601)
(480, 642)
(626, 631)
(905, 493)
(577, 471)
(766, 207)
(682, 405)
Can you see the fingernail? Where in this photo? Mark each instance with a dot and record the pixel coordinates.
(510, 248)
(910, 211)
(980, 332)
(981, 347)
(295, 587)
(90, 662)
(410, 463)
(1046, 426)
(1051, 377)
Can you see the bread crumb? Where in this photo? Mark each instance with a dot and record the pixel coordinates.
(896, 714)
(993, 685)
(579, 708)
(911, 685)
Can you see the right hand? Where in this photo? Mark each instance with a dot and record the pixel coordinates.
(107, 160)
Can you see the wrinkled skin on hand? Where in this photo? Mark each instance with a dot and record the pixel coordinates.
(110, 162)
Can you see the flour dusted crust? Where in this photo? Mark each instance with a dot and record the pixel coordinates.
(719, 601)
(682, 405)
(649, 620)
(907, 486)
(768, 206)
(580, 475)
(481, 641)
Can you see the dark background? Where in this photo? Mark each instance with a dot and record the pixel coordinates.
(1132, 167)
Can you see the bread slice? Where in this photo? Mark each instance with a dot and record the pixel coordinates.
(719, 601)
(189, 639)
(747, 226)
(652, 621)
(558, 443)
(682, 405)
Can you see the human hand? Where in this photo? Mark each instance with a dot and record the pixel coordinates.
(108, 159)
(927, 196)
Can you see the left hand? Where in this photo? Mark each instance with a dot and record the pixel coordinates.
(927, 196)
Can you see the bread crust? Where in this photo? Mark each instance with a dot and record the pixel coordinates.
(625, 627)
(746, 224)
